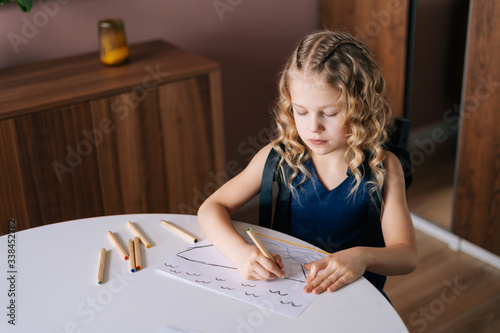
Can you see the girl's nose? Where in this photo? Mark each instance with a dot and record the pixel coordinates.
(315, 125)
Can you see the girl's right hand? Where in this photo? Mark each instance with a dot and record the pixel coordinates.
(253, 265)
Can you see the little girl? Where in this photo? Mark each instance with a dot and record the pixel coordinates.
(332, 121)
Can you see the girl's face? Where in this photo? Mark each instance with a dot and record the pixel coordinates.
(319, 121)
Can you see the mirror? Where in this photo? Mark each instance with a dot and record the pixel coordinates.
(433, 102)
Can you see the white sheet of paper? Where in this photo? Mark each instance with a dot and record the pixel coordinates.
(205, 266)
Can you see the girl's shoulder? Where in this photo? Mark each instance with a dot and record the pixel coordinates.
(398, 165)
(392, 160)
(393, 165)
(259, 159)
(264, 152)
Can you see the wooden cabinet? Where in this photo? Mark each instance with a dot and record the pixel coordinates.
(383, 26)
(78, 139)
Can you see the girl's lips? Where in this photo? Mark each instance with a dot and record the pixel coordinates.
(317, 142)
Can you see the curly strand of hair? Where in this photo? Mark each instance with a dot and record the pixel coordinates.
(295, 153)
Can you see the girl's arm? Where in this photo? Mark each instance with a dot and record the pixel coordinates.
(214, 217)
(399, 256)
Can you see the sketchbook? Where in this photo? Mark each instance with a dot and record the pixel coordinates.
(205, 266)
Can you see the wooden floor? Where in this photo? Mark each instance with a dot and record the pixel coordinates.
(448, 292)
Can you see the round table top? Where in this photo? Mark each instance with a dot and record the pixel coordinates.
(51, 286)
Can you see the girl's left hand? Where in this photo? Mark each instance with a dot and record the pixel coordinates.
(335, 271)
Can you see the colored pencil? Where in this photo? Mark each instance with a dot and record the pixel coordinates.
(102, 263)
(132, 255)
(138, 234)
(117, 245)
(137, 248)
(180, 231)
(259, 244)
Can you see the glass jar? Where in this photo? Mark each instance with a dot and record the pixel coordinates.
(112, 42)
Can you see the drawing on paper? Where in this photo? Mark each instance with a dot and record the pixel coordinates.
(206, 266)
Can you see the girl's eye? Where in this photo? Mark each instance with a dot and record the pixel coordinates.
(330, 115)
(299, 113)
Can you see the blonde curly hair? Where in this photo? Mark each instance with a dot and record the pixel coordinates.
(346, 65)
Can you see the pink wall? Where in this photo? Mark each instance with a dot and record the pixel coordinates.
(250, 40)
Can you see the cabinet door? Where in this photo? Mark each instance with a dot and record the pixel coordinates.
(51, 169)
(383, 25)
(158, 153)
(12, 204)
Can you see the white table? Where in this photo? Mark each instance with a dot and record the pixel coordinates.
(56, 287)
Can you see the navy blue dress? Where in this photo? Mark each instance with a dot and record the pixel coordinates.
(335, 221)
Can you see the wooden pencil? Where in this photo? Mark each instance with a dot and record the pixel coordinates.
(180, 231)
(138, 234)
(137, 248)
(259, 244)
(102, 263)
(132, 255)
(117, 244)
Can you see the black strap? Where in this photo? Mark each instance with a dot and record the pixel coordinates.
(270, 174)
(281, 221)
(266, 189)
